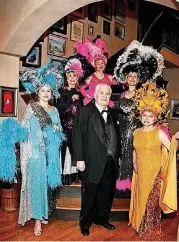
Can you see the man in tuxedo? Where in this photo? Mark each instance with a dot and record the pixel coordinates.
(96, 155)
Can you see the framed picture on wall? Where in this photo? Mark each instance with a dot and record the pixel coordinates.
(106, 27)
(106, 10)
(56, 45)
(33, 58)
(132, 5)
(90, 29)
(174, 110)
(119, 31)
(93, 12)
(60, 26)
(8, 101)
(79, 13)
(120, 10)
(77, 29)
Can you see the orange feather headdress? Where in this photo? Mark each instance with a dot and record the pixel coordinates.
(151, 98)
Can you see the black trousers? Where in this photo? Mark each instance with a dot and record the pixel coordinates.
(97, 198)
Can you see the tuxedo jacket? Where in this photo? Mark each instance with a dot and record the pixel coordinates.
(89, 145)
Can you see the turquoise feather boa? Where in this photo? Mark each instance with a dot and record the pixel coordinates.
(53, 141)
(11, 132)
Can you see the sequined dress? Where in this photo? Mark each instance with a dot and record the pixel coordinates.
(39, 167)
(147, 187)
(128, 123)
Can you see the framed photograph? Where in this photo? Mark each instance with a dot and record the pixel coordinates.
(132, 5)
(119, 31)
(120, 10)
(60, 26)
(174, 111)
(90, 29)
(106, 27)
(79, 13)
(33, 58)
(77, 29)
(8, 101)
(57, 45)
(106, 10)
(93, 12)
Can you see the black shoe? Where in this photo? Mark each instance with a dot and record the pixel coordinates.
(107, 226)
(85, 231)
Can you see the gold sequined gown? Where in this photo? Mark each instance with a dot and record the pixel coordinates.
(149, 191)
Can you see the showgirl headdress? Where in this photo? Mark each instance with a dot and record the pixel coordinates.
(92, 51)
(48, 75)
(74, 65)
(151, 98)
(144, 60)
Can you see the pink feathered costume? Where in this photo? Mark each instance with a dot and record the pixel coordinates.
(89, 94)
(92, 52)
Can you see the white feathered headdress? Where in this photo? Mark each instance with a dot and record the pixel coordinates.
(144, 60)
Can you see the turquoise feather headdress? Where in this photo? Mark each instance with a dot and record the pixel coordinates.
(50, 75)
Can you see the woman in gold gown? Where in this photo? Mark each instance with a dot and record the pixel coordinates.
(154, 186)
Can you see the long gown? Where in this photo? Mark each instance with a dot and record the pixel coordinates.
(154, 185)
(128, 122)
(68, 110)
(37, 199)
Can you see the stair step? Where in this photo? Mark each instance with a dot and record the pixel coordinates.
(70, 191)
(76, 184)
(68, 208)
(74, 190)
(74, 203)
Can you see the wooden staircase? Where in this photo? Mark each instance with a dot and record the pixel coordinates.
(69, 204)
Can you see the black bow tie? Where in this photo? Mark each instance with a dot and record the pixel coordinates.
(104, 111)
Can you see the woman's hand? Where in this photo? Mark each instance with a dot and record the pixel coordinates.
(135, 167)
(80, 165)
(177, 135)
(134, 162)
(75, 97)
(56, 128)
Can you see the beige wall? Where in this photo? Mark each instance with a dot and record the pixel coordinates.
(9, 71)
(172, 75)
(169, 3)
(23, 21)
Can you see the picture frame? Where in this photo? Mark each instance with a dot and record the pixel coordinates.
(33, 58)
(119, 30)
(132, 5)
(60, 26)
(106, 10)
(120, 10)
(174, 110)
(93, 12)
(77, 29)
(8, 101)
(57, 45)
(106, 27)
(80, 13)
(90, 29)
(21, 87)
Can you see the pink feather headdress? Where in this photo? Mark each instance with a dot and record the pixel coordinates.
(74, 65)
(92, 51)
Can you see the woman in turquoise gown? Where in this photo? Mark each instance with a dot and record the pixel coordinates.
(40, 158)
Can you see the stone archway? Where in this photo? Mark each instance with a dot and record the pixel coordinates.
(23, 22)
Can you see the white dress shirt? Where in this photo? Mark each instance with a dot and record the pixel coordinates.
(100, 110)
